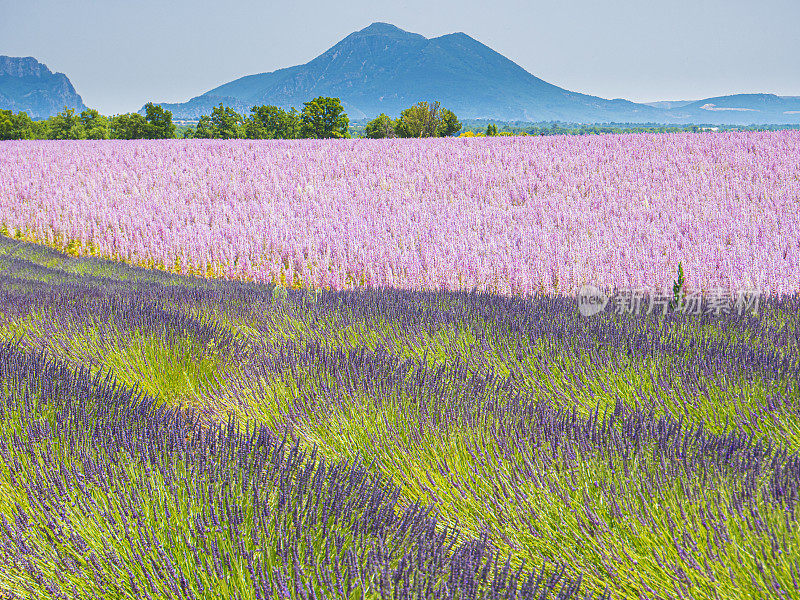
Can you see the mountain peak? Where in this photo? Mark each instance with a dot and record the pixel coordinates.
(28, 85)
(384, 69)
(22, 66)
(380, 28)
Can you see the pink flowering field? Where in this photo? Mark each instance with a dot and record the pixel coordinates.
(513, 214)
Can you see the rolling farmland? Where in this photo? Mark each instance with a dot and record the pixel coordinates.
(381, 385)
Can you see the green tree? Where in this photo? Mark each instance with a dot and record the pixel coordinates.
(380, 127)
(491, 130)
(160, 125)
(94, 125)
(324, 117)
(203, 128)
(225, 123)
(40, 129)
(129, 126)
(271, 122)
(7, 130)
(421, 120)
(16, 126)
(66, 126)
(448, 124)
(294, 124)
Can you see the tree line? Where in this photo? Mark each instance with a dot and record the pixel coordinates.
(421, 120)
(479, 127)
(322, 117)
(156, 123)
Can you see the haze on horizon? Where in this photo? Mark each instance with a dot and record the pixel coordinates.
(119, 57)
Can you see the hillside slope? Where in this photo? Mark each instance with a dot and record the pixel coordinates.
(28, 85)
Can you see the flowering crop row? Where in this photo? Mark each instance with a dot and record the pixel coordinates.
(509, 214)
(171, 437)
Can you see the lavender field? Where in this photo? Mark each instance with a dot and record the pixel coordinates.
(511, 215)
(381, 385)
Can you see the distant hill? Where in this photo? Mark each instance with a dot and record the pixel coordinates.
(28, 85)
(384, 69)
(739, 109)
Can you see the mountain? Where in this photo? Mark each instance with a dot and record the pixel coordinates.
(739, 109)
(28, 85)
(385, 69)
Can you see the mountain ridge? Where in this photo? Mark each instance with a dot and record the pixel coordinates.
(385, 69)
(27, 85)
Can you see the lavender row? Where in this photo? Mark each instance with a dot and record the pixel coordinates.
(510, 419)
(261, 512)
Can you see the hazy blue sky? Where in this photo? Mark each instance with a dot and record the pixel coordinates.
(120, 54)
